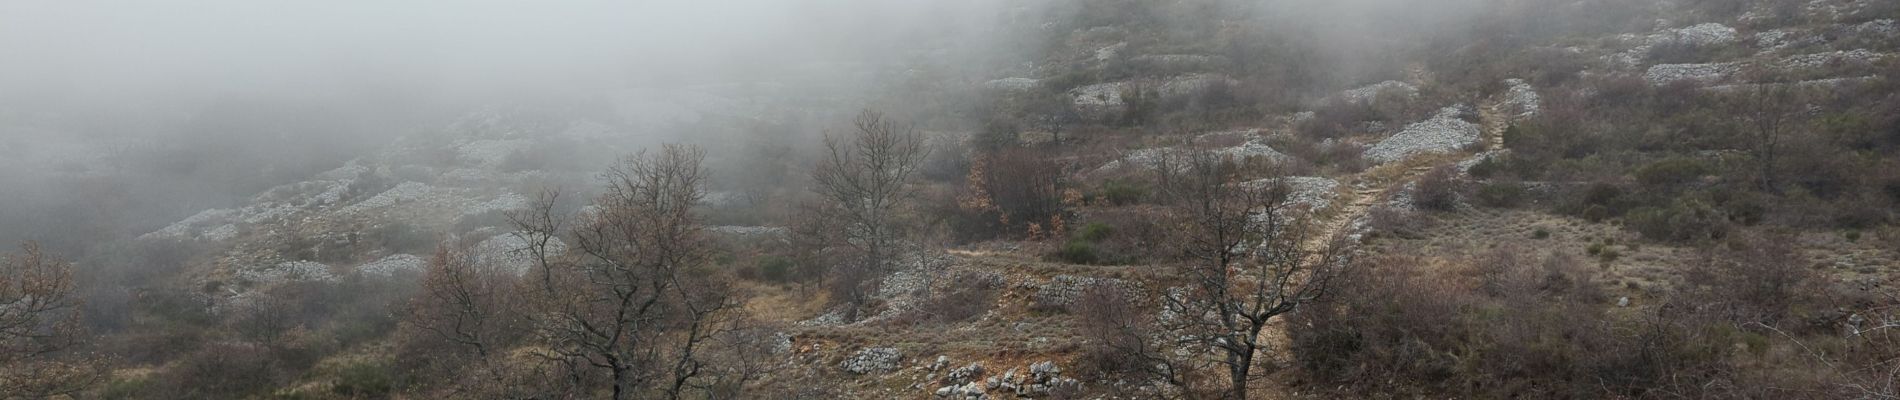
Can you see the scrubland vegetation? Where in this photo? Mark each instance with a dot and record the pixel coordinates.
(1202, 199)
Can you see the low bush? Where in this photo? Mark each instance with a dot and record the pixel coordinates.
(1078, 252)
(1437, 190)
(1116, 192)
(1671, 173)
(365, 380)
(1501, 194)
(1684, 221)
(775, 269)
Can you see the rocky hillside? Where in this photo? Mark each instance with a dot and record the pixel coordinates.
(1521, 199)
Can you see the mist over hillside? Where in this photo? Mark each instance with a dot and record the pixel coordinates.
(1063, 199)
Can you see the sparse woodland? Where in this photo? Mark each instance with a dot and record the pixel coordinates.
(1200, 199)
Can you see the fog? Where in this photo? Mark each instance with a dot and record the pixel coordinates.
(170, 107)
(177, 106)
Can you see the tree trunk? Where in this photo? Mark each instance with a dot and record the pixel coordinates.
(620, 383)
(1238, 369)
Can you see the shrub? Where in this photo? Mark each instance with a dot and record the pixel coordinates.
(775, 269)
(1488, 167)
(365, 379)
(1397, 222)
(1684, 221)
(1599, 201)
(1078, 252)
(126, 388)
(1501, 194)
(1437, 190)
(1609, 255)
(972, 296)
(1010, 191)
(1112, 320)
(1123, 193)
(1095, 232)
(1540, 234)
(1671, 172)
(1753, 277)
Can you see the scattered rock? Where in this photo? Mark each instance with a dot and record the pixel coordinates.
(1699, 35)
(1879, 27)
(287, 271)
(392, 266)
(1176, 62)
(1663, 74)
(1189, 86)
(1521, 100)
(872, 360)
(1312, 192)
(1098, 100)
(503, 202)
(1819, 60)
(402, 193)
(491, 153)
(1110, 51)
(1371, 92)
(1444, 132)
(1012, 84)
(1062, 290)
(781, 343)
(966, 374)
(1773, 39)
(510, 251)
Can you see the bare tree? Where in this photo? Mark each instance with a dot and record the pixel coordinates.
(1769, 111)
(638, 302)
(465, 303)
(864, 182)
(1252, 263)
(39, 319)
(1124, 339)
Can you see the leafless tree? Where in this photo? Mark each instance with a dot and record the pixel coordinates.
(864, 181)
(1252, 262)
(465, 303)
(1769, 111)
(40, 319)
(638, 302)
(1124, 339)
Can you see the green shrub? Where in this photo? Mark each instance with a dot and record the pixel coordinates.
(1079, 252)
(1488, 167)
(1501, 194)
(1683, 221)
(1671, 172)
(1607, 197)
(1123, 193)
(1540, 234)
(365, 379)
(1596, 213)
(1437, 190)
(1095, 232)
(127, 388)
(775, 269)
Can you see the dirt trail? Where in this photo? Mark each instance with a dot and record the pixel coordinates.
(1369, 189)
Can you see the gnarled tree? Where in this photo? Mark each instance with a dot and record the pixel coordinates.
(1254, 258)
(637, 304)
(39, 321)
(863, 181)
